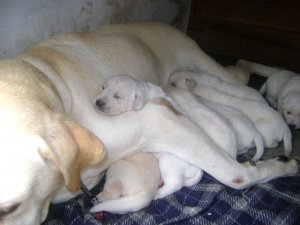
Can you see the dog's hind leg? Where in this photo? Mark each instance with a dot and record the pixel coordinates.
(240, 175)
(180, 137)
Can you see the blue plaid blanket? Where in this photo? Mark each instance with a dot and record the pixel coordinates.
(209, 202)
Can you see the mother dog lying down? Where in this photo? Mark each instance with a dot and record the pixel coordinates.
(43, 152)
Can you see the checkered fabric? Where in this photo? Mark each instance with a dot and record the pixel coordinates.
(209, 202)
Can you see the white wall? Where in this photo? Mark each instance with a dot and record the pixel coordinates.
(25, 22)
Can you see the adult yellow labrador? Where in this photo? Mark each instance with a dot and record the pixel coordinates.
(43, 152)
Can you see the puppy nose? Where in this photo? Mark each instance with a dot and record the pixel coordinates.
(100, 103)
(173, 84)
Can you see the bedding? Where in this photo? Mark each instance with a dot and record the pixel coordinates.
(208, 202)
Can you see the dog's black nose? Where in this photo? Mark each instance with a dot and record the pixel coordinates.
(99, 103)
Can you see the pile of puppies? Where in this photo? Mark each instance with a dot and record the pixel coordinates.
(235, 117)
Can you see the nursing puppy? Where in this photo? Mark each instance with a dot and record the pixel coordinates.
(247, 135)
(131, 184)
(214, 124)
(281, 90)
(58, 111)
(268, 122)
(211, 80)
(176, 173)
(132, 96)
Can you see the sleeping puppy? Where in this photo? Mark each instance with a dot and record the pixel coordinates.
(132, 96)
(131, 184)
(123, 93)
(281, 90)
(211, 80)
(46, 112)
(247, 135)
(268, 122)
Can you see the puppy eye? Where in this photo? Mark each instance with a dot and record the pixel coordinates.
(116, 96)
(103, 87)
(288, 112)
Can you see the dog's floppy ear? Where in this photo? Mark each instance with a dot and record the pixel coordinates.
(70, 148)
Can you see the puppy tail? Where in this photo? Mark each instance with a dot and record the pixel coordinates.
(259, 143)
(257, 68)
(124, 204)
(287, 142)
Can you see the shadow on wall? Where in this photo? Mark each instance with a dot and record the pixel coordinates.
(24, 23)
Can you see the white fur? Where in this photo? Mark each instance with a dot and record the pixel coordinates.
(71, 67)
(130, 184)
(133, 95)
(176, 174)
(123, 93)
(281, 90)
(214, 124)
(267, 121)
(211, 80)
(247, 135)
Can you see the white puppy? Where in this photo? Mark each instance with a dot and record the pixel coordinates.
(268, 122)
(57, 79)
(247, 135)
(132, 96)
(123, 93)
(176, 173)
(208, 79)
(213, 123)
(281, 90)
(131, 184)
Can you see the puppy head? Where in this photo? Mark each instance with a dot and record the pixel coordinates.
(119, 94)
(289, 107)
(185, 80)
(33, 165)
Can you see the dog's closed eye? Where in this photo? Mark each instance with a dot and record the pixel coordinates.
(8, 210)
(117, 96)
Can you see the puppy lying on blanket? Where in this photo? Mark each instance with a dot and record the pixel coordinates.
(282, 90)
(132, 95)
(268, 122)
(57, 79)
(131, 184)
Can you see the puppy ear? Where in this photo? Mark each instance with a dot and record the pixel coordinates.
(280, 105)
(190, 83)
(138, 102)
(70, 148)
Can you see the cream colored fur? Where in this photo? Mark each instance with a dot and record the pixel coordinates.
(43, 91)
